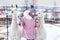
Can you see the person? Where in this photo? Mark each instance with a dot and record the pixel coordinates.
(29, 25)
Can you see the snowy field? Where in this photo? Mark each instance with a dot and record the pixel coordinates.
(52, 31)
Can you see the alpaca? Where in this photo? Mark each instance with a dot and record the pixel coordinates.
(15, 33)
(40, 31)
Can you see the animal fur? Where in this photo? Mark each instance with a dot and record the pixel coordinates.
(41, 33)
(15, 33)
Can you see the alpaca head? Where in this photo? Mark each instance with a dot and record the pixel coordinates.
(40, 12)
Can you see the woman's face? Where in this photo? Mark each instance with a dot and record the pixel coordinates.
(33, 14)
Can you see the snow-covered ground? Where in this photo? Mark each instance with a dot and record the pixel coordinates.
(52, 31)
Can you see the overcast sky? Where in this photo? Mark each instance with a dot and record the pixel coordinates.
(38, 2)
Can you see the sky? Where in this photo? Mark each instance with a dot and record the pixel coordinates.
(38, 2)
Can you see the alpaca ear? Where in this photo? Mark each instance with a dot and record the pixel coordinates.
(39, 13)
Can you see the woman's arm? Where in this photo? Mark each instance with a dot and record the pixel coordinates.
(37, 23)
(23, 23)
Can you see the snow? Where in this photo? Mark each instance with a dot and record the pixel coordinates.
(52, 31)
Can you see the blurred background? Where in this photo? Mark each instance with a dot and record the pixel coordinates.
(51, 17)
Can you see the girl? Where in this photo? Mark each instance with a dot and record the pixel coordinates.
(29, 23)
